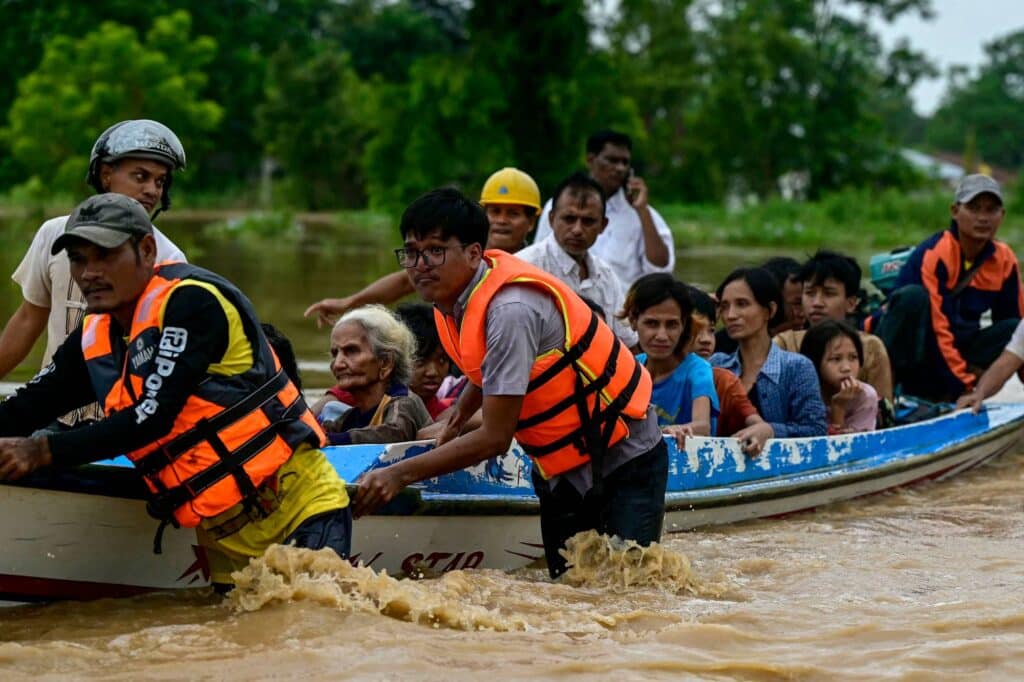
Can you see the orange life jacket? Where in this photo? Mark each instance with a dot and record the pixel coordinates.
(578, 393)
(233, 432)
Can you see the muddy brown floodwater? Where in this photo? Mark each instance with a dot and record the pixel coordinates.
(920, 584)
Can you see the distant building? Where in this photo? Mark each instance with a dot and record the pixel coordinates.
(949, 167)
(932, 166)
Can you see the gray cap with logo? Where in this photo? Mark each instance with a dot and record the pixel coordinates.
(971, 186)
(107, 220)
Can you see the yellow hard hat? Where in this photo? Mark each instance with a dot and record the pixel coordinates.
(511, 186)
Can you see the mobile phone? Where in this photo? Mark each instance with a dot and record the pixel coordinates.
(630, 194)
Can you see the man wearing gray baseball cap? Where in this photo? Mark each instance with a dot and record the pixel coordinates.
(191, 392)
(108, 220)
(931, 324)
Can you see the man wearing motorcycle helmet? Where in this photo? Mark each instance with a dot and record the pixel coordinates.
(135, 158)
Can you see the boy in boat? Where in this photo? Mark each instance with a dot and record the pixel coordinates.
(830, 283)
(192, 394)
(576, 221)
(931, 324)
(637, 240)
(546, 370)
(134, 158)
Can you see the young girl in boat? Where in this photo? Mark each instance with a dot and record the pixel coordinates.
(835, 348)
(783, 386)
(659, 308)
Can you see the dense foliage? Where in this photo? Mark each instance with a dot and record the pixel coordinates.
(369, 102)
(986, 111)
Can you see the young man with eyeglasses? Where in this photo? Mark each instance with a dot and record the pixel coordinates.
(545, 369)
(637, 240)
(931, 324)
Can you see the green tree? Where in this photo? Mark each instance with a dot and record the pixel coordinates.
(314, 123)
(438, 128)
(653, 47)
(325, 98)
(524, 93)
(903, 69)
(247, 33)
(991, 104)
(84, 84)
(385, 38)
(757, 89)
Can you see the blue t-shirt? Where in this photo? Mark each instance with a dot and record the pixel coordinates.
(674, 395)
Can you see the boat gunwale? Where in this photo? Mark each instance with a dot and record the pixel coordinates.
(418, 500)
(803, 482)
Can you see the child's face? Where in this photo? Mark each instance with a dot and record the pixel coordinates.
(427, 374)
(840, 362)
(659, 328)
(704, 341)
(827, 300)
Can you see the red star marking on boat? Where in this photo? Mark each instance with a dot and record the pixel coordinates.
(200, 567)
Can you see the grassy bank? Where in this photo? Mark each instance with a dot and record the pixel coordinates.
(853, 219)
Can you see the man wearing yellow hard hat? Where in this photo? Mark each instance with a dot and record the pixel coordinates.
(511, 199)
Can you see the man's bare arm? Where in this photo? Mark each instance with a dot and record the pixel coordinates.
(385, 290)
(20, 333)
(500, 415)
(992, 381)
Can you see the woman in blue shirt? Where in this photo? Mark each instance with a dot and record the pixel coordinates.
(659, 308)
(783, 386)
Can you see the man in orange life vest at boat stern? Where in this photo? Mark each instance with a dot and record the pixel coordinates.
(545, 369)
(192, 393)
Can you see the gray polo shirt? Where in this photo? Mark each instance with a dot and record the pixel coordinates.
(522, 323)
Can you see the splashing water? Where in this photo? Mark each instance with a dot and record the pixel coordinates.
(285, 574)
(608, 562)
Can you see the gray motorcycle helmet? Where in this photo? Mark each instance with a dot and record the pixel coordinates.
(137, 139)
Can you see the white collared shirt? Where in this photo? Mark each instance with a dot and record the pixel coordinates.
(621, 245)
(601, 286)
(45, 281)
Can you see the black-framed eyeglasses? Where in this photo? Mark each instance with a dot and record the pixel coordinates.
(433, 256)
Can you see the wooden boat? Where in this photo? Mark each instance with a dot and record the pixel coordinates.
(84, 533)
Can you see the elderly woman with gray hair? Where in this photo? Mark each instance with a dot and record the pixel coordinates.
(372, 353)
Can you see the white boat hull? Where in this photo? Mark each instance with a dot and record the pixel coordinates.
(65, 540)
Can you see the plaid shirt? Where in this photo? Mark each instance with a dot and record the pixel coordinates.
(788, 392)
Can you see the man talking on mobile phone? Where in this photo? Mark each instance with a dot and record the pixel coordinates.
(637, 240)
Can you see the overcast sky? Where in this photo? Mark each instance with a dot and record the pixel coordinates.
(954, 36)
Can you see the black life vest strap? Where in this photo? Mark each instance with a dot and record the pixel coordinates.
(569, 358)
(162, 505)
(580, 393)
(608, 418)
(165, 455)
